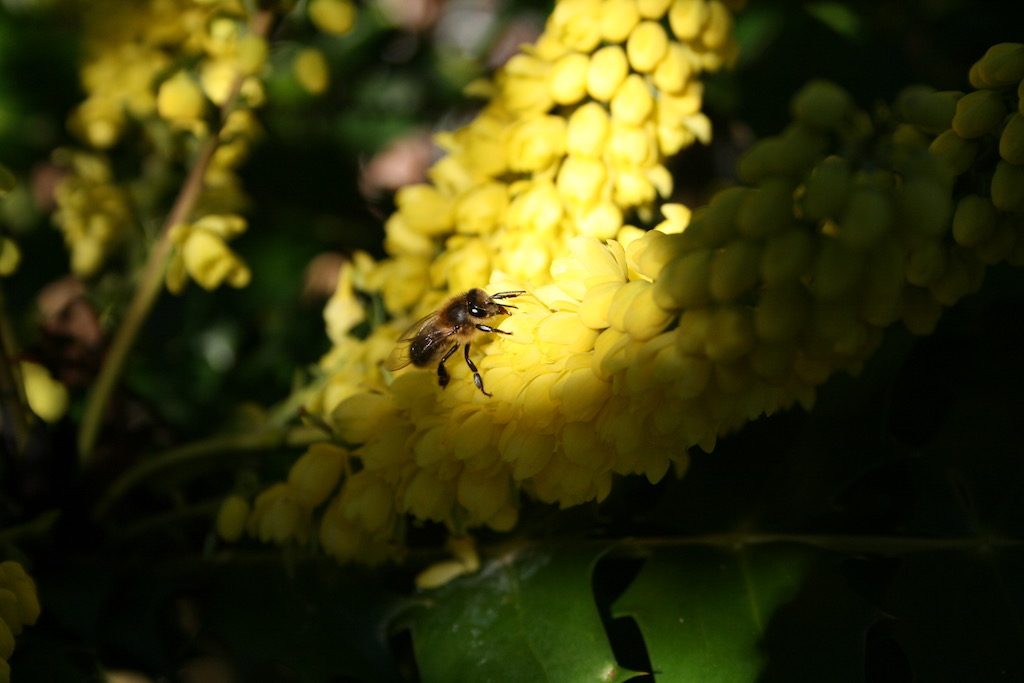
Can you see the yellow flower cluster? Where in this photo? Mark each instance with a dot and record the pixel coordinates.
(159, 65)
(92, 211)
(19, 607)
(203, 254)
(570, 145)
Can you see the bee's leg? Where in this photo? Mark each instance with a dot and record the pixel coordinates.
(442, 372)
(488, 328)
(477, 379)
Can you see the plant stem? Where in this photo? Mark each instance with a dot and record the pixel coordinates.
(199, 451)
(15, 418)
(152, 278)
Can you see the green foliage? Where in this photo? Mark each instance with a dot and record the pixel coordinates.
(527, 617)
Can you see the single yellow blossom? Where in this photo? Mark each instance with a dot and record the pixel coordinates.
(311, 70)
(47, 397)
(332, 16)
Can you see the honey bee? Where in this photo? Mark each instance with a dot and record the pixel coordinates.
(440, 334)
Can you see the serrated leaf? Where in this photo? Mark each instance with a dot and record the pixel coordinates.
(704, 612)
(528, 617)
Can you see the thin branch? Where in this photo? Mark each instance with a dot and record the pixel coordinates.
(152, 277)
(14, 402)
(198, 451)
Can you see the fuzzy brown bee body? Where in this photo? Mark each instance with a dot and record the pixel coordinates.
(437, 336)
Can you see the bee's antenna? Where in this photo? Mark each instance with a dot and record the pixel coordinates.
(508, 295)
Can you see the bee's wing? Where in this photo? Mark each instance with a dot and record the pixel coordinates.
(399, 357)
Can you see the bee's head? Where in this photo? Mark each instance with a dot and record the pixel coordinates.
(479, 304)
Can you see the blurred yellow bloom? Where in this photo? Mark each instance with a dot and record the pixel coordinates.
(332, 16)
(647, 46)
(47, 397)
(536, 144)
(180, 100)
(280, 516)
(618, 17)
(311, 70)
(231, 518)
(202, 253)
(10, 256)
(92, 212)
(316, 474)
(607, 70)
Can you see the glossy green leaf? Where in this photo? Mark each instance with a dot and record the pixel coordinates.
(528, 617)
(704, 612)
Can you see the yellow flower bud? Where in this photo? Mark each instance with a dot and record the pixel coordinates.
(576, 23)
(538, 210)
(644, 319)
(683, 282)
(316, 473)
(536, 143)
(587, 130)
(618, 17)
(924, 206)
(14, 577)
(734, 270)
(311, 70)
(368, 501)
(479, 210)
(483, 493)
(10, 256)
(631, 145)
(926, 263)
(179, 99)
(47, 397)
(956, 153)
(424, 209)
(279, 517)
(359, 417)
(428, 497)
(568, 83)
(867, 216)
(332, 16)
(837, 271)
(210, 262)
(974, 221)
(632, 103)
(653, 9)
(602, 221)
(978, 113)
(607, 70)
(647, 46)
(596, 302)
(580, 180)
(718, 28)
(766, 210)
(821, 104)
(217, 77)
(1008, 187)
(731, 334)
(1011, 142)
(787, 256)
(231, 518)
(780, 313)
(687, 18)
(674, 71)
